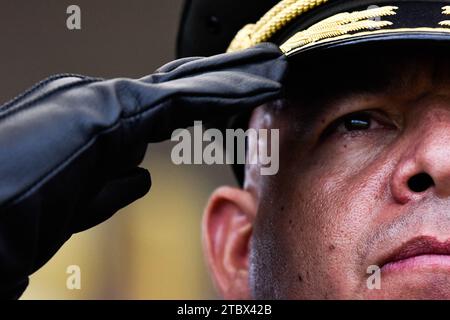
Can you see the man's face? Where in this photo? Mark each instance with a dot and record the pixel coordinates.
(364, 180)
(360, 206)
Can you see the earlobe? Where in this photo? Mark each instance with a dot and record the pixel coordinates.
(227, 229)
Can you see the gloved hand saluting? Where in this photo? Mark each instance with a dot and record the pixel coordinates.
(70, 146)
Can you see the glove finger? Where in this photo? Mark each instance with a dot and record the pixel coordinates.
(207, 89)
(206, 97)
(257, 60)
(115, 195)
(168, 67)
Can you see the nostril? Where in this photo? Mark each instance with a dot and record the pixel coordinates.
(420, 182)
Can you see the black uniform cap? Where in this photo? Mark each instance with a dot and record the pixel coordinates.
(208, 27)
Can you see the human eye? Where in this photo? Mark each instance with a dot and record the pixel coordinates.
(358, 123)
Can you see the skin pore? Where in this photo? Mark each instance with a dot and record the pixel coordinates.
(364, 180)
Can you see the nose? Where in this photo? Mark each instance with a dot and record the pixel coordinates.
(424, 167)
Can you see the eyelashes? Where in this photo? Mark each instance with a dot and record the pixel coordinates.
(361, 121)
(357, 123)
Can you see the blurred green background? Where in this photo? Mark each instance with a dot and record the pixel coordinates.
(151, 249)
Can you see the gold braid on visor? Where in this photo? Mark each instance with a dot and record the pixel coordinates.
(273, 21)
(370, 21)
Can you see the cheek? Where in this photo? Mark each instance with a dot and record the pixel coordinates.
(318, 226)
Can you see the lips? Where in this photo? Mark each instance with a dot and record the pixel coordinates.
(419, 252)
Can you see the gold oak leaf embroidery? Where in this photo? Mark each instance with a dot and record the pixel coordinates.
(341, 24)
(446, 11)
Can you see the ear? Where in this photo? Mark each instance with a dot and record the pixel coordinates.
(227, 229)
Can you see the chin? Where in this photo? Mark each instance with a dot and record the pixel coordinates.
(417, 285)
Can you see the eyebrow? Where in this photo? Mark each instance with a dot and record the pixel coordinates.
(319, 83)
(314, 105)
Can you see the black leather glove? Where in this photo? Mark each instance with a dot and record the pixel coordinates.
(70, 146)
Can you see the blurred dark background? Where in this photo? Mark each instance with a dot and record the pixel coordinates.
(118, 38)
(152, 249)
